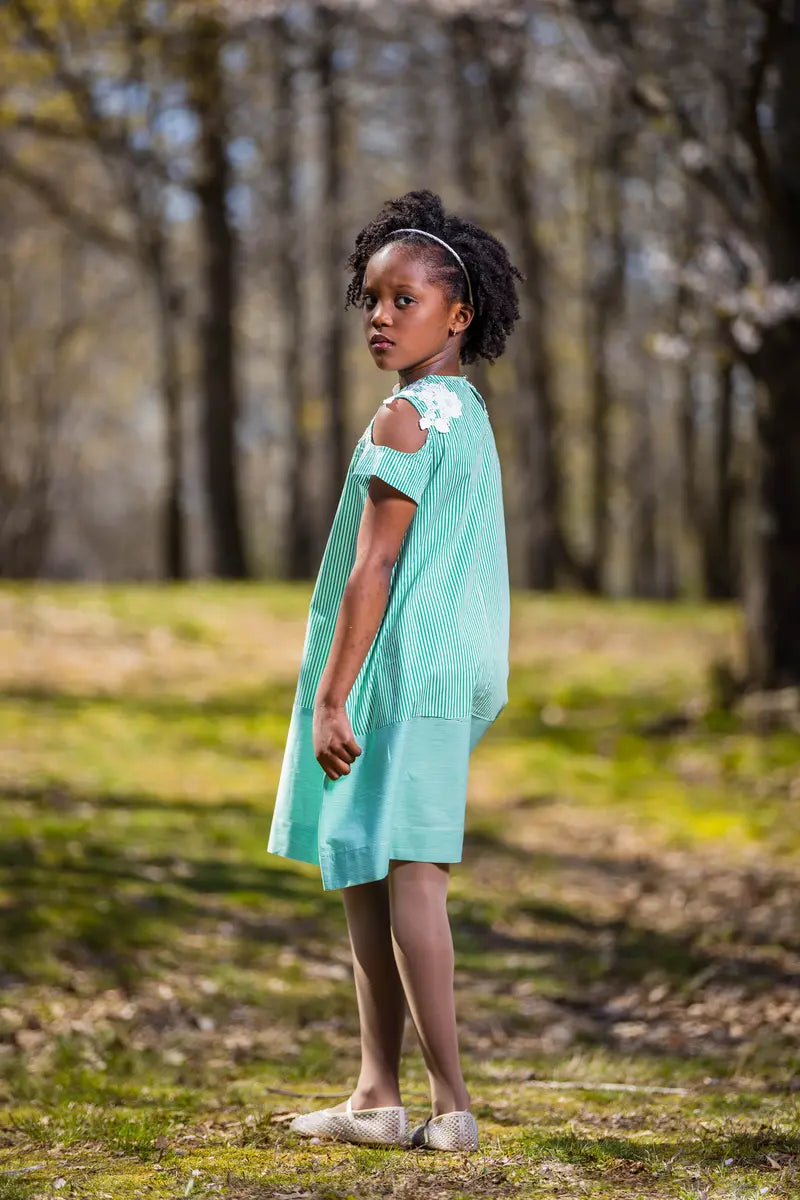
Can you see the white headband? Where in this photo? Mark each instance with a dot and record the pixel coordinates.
(447, 247)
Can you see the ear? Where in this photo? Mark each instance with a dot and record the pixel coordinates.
(461, 315)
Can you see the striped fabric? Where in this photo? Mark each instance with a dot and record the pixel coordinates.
(441, 651)
(442, 647)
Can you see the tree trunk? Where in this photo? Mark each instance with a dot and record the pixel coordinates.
(772, 582)
(333, 156)
(423, 136)
(718, 550)
(217, 333)
(687, 445)
(605, 290)
(469, 131)
(30, 408)
(644, 543)
(298, 539)
(537, 413)
(598, 318)
(167, 304)
(772, 578)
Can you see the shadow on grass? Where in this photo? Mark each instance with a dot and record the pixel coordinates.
(746, 1148)
(111, 898)
(84, 895)
(481, 842)
(582, 710)
(92, 900)
(272, 698)
(589, 960)
(60, 798)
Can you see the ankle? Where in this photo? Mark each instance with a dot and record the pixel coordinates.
(450, 1100)
(376, 1095)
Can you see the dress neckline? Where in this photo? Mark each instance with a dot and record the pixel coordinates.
(402, 387)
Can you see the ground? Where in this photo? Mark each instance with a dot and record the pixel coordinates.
(625, 917)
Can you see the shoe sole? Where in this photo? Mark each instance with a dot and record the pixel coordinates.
(332, 1137)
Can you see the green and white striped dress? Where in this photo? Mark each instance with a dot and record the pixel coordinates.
(436, 674)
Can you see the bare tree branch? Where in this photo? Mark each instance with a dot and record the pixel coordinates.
(607, 15)
(46, 127)
(73, 83)
(719, 178)
(749, 127)
(55, 200)
(115, 145)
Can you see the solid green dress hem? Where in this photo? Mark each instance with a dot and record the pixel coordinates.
(404, 798)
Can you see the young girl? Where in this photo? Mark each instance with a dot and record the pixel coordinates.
(405, 661)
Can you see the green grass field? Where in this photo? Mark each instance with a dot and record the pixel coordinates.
(625, 917)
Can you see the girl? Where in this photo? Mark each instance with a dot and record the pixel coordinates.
(405, 661)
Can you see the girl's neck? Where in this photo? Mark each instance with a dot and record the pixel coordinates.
(446, 367)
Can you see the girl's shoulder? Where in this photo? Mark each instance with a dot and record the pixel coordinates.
(439, 399)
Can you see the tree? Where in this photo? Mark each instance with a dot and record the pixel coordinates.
(332, 141)
(502, 48)
(604, 302)
(299, 528)
(35, 346)
(753, 178)
(212, 183)
(74, 117)
(156, 63)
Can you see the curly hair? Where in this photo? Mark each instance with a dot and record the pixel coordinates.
(491, 272)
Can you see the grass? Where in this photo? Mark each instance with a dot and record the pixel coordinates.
(624, 917)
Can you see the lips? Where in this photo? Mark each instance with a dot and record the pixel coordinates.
(379, 342)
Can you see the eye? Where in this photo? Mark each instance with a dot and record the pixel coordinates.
(400, 299)
(367, 300)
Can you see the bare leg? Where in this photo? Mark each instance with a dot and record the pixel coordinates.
(379, 991)
(423, 947)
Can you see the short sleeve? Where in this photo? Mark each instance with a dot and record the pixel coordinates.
(408, 471)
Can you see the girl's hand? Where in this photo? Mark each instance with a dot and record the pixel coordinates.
(335, 746)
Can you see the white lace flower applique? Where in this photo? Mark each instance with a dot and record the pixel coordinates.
(441, 405)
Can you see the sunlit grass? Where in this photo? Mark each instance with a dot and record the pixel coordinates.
(624, 914)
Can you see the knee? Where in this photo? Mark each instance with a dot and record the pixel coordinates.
(417, 896)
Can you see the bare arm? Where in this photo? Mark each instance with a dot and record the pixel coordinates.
(386, 517)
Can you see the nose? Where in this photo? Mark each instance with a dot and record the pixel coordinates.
(379, 317)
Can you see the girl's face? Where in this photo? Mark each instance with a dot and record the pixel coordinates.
(409, 323)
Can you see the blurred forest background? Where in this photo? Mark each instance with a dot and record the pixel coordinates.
(180, 184)
(180, 391)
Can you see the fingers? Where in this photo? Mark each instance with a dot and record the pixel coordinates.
(352, 747)
(335, 745)
(336, 762)
(334, 768)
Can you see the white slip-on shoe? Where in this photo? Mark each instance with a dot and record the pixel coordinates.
(364, 1126)
(449, 1131)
